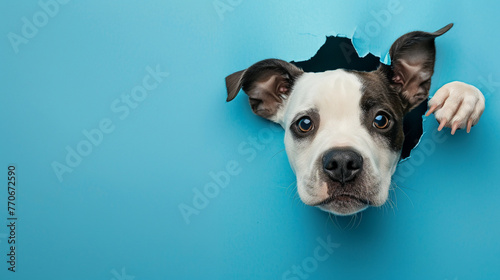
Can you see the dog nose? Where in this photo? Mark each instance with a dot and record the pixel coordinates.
(342, 165)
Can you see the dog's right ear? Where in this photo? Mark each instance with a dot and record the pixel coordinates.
(412, 64)
(267, 83)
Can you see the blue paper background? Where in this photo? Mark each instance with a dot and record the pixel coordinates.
(116, 215)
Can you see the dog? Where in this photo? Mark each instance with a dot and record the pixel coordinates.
(344, 128)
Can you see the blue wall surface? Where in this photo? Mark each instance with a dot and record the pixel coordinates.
(113, 114)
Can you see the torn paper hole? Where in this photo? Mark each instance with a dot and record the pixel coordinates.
(339, 53)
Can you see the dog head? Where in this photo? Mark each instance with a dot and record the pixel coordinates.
(343, 129)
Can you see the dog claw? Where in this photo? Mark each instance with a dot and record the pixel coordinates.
(431, 110)
(454, 128)
(442, 124)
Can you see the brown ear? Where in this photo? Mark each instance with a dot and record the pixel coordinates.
(267, 83)
(412, 65)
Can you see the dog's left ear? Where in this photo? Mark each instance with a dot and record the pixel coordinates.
(412, 65)
(268, 83)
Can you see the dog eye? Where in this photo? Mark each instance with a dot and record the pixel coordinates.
(381, 121)
(305, 124)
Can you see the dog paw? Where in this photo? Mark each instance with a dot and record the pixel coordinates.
(457, 105)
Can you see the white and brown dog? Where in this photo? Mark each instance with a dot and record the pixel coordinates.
(344, 128)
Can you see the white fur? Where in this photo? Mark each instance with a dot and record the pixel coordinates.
(336, 95)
